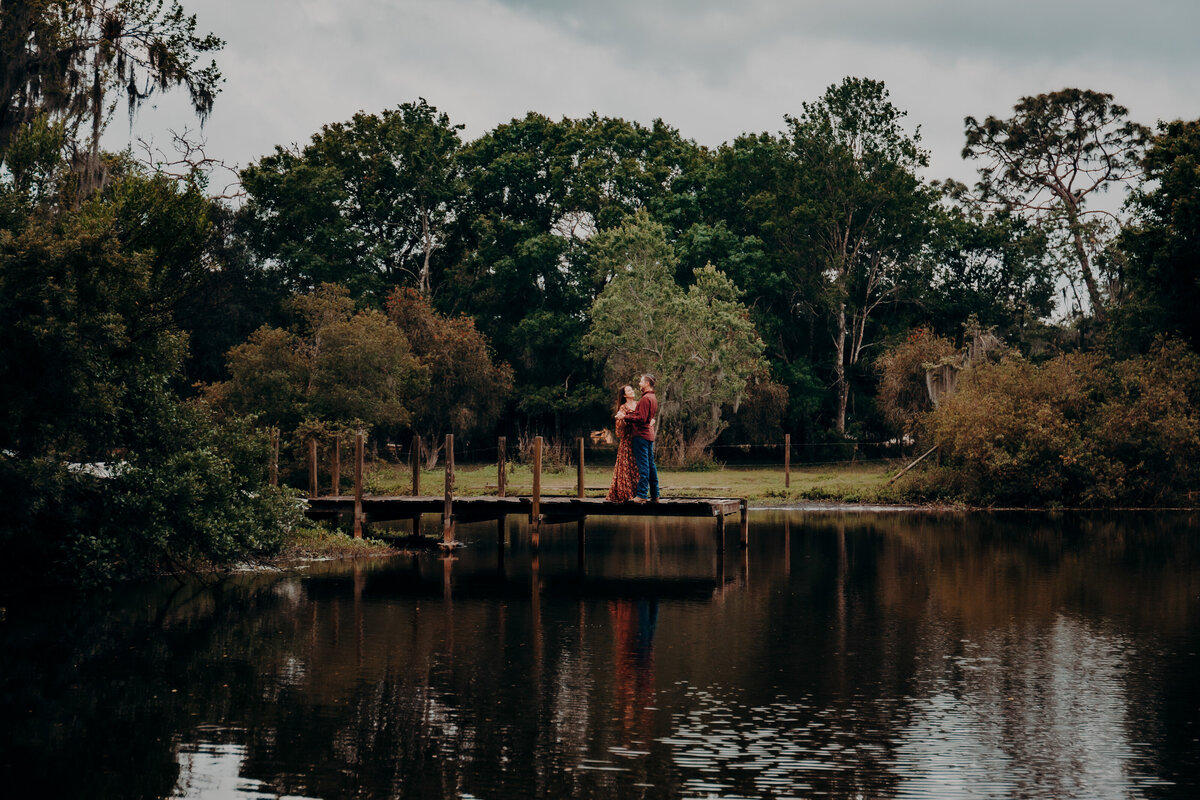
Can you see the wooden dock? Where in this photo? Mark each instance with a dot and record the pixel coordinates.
(540, 509)
(549, 510)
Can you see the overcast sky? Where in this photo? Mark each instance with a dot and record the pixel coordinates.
(711, 69)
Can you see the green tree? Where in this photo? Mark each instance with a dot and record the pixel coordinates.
(467, 390)
(538, 191)
(868, 212)
(1049, 160)
(1162, 243)
(699, 342)
(1080, 429)
(365, 204)
(110, 472)
(988, 266)
(335, 366)
(67, 58)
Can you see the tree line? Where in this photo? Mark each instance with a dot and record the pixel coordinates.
(389, 274)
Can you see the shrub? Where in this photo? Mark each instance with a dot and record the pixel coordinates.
(1080, 429)
(903, 397)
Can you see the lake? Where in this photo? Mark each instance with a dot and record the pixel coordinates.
(843, 654)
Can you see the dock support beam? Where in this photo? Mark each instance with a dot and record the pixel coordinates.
(312, 467)
(501, 468)
(358, 484)
(416, 466)
(744, 528)
(579, 487)
(448, 510)
(336, 478)
(535, 510)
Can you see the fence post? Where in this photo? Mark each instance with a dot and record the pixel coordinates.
(787, 461)
(358, 484)
(580, 487)
(448, 509)
(535, 511)
(501, 469)
(416, 466)
(312, 467)
(337, 465)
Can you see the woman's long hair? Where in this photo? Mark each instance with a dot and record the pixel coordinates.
(620, 399)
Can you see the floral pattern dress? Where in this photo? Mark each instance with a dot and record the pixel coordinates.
(625, 474)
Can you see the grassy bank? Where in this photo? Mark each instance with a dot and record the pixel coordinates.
(847, 483)
(321, 542)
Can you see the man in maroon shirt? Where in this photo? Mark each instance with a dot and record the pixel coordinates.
(642, 419)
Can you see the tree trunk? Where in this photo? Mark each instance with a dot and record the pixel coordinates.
(843, 389)
(1085, 266)
(428, 238)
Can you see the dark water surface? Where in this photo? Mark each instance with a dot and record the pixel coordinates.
(887, 655)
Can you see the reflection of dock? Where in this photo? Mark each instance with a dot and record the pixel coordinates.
(539, 510)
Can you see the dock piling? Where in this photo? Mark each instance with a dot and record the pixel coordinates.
(358, 484)
(535, 510)
(579, 487)
(501, 468)
(744, 527)
(337, 465)
(312, 468)
(448, 512)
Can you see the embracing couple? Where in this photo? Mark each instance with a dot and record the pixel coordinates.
(635, 478)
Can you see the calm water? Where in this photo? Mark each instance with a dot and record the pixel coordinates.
(889, 655)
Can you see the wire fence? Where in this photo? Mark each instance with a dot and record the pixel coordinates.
(565, 452)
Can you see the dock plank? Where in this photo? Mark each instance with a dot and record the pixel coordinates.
(466, 509)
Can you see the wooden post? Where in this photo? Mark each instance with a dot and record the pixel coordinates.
(337, 466)
(535, 511)
(720, 531)
(744, 531)
(273, 468)
(787, 461)
(580, 486)
(448, 509)
(312, 467)
(358, 484)
(416, 467)
(501, 469)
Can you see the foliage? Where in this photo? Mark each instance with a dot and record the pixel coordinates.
(1049, 159)
(903, 397)
(109, 472)
(365, 204)
(990, 266)
(1080, 429)
(335, 365)
(65, 58)
(699, 343)
(467, 389)
(1162, 244)
(866, 210)
(537, 191)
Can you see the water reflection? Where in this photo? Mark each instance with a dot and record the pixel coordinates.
(918, 655)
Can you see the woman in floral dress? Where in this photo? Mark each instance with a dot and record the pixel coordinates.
(625, 474)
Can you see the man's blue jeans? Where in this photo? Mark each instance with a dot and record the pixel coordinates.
(643, 456)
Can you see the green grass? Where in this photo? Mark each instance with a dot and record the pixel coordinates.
(318, 541)
(850, 483)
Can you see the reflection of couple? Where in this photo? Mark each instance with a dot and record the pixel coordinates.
(635, 476)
